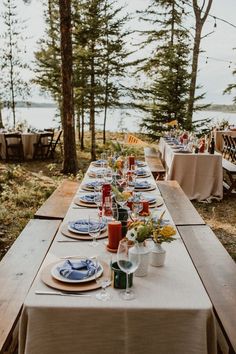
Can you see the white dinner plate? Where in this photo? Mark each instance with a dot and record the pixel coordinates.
(82, 232)
(84, 199)
(56, 275)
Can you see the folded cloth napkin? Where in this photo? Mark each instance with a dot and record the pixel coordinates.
(142, 184)
(82, 225)
(89, 198)
(93, 184)
(100, 162)
(77, 270)
(97, 170)
(141, 172)
(140, 163)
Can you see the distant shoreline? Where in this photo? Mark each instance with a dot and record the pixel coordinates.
(230, 108)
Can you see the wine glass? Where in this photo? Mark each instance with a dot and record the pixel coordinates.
(94, 230)
(128, 259)
(108, 175)
(105, 279)
(98, 201)
(137, 205)
(121, 200)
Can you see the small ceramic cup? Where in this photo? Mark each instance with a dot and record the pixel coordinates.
(119, 277)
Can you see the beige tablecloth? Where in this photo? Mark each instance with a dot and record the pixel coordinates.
(199, 175)
(28, 141)
(219, 142)
(171, 314)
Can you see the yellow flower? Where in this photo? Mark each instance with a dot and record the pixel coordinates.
(126, 195)
(167, 231)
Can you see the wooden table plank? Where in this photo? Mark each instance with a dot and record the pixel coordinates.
(18, 269)
(217, 271)
(178, 204)
(56, 206)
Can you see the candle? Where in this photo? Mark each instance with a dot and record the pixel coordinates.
(114, 234)
(145, 209)
(131, 161)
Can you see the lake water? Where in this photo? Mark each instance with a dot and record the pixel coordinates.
(118, 119)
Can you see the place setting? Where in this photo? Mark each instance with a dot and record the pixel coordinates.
(142, 173)
(86, 229)
(140, 185)
(152, 201)
(92, 185)
(76, 275)
(86, 200)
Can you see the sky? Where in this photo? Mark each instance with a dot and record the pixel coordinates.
(214, 74)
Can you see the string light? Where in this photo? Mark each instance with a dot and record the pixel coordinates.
(221, 60)
(215, 25)
(212, 16)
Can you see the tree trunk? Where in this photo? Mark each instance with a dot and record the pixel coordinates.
(69, 159)
(1, 122)
(196, 48)
(105, 110)
(192, 89)
(92, 109)
(82, 129)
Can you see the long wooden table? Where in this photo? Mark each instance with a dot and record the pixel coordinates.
(171, 313)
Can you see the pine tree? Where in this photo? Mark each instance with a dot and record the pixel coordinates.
(115, 57)
(167, 68)
(201, 12)
(13, 85)
(231, 87)
(99, 60)
(69, 159)
(48, 57)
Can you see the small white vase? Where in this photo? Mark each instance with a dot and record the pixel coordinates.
(157, 256)
(144, 252)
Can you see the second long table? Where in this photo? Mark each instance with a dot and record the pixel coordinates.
(199, 175)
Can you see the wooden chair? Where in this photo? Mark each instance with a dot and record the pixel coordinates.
(42, 148)
(14, 147)
(229, 149)
(56, 142)
(232, 153)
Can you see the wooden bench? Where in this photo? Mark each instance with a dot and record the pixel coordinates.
(178, 204)
(18, 269)
(217, 271)
(154, 163)
(230, 169)
(56, 206)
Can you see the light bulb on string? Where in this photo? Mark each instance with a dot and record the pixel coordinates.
(206, 60)
(215, 24)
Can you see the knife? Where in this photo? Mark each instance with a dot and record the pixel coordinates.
(60, 293)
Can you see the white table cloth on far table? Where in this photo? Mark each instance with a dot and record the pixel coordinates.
(199, 175)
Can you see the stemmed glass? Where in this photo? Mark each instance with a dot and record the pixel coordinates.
(137, 205)
(94, 230)
(108, 175)
(128, 259)
(121, 200)
(98, 202)
(105, 281)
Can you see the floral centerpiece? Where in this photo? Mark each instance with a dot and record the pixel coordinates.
(141, 230)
